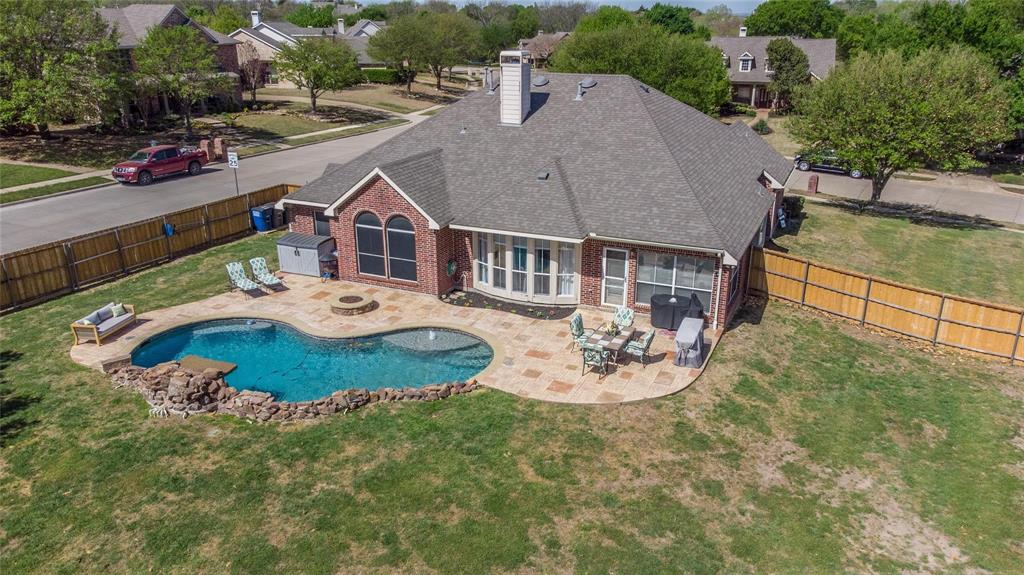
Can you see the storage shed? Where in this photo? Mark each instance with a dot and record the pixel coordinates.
(303, 253)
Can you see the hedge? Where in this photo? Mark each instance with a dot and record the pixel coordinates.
(382, 75)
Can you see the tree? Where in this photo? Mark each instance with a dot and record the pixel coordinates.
(178, 62)
(431, 40)
(55, 62)
(372, 12)
(318, 65)
(560, 17)
(605, 18)
(226, 19)
(675, 19)
(886, 113)
(721, 21)
(307, 15)
(803, 18)
(790, 71)
(251, 68)
(683, 67)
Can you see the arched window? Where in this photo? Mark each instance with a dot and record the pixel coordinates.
(401, 249)
(369, 244)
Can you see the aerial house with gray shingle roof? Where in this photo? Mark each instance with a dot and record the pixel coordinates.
(556, 189)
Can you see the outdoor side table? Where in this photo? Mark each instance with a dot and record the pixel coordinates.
(690, 343)
(614, 344)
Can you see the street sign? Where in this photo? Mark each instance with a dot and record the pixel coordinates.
(233, 160)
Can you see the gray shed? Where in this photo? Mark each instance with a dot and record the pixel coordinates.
(302, 253)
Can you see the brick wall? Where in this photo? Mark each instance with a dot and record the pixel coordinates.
(301, 219)
(591, 272)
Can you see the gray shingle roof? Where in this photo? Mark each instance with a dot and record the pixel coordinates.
(134, 21)
(821, 55)
(294, 31)
(272, 42)
(627, 162)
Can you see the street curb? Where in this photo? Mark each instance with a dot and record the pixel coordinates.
(56, 194)
(297, 146)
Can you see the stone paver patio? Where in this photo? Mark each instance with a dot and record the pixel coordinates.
(532, 356)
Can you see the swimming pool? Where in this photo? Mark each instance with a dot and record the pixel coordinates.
(277, 358)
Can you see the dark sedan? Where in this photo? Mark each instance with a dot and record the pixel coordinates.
(826, 161)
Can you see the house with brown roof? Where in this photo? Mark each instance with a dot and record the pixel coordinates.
(269, 37)
(746, 58)
(542, 46)
(134, 21)
(555, 189)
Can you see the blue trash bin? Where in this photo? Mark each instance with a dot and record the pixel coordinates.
(263, 218)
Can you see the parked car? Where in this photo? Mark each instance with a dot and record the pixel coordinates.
(158, 161)
(826, 160)
(1011, 152)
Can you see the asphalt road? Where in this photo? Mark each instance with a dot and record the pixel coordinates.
(51, 219)
(961, 194)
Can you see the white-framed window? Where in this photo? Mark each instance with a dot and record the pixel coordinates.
(541, 267)
(767, 66)
(746, 62)
(520, 275)
(499, 260)
(401, 249)
(725, 59)
(370, 245)
(566, 270)
(674, 274)
(482, 267)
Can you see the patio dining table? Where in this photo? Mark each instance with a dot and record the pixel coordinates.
(612, 343)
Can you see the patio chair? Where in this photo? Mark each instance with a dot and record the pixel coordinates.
(595, 356)
(641, 347)
(579, 335)
(623, 317)
(262, 273)
(238, 279)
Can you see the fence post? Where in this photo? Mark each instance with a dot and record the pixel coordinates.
(69, 261)
(206, 220)
(1017, 340)
(120, 252)
(938, 321)
(803, 288)
(170, 249)
(867, 300)
(248, 211)
(10, 284)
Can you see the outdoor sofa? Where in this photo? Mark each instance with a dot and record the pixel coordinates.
(101, 323)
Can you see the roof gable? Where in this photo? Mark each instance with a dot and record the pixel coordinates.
(821, 55)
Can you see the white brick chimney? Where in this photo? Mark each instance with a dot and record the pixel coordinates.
(341, 25)
(515, 86)
(743, 31)
(255, 15)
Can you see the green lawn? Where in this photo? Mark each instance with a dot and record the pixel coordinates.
(808, 446)
(347, 133)
(976, 263)
(16, 175)
(37, 191)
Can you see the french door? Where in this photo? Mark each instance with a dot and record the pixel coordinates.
(615, 277)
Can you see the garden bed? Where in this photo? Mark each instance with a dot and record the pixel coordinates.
(479, 300)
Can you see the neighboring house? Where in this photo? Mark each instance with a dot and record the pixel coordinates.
(542, 46)
(134, 21)
(552, 193)
(746, 57)
(270, 37)
(340, 9)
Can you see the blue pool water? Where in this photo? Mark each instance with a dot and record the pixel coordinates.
(279, 359)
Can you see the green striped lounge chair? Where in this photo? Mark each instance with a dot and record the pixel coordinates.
(262, 273)
(236, 274)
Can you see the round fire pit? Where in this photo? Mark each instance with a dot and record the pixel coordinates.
(352, 304)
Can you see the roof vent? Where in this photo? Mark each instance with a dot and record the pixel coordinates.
(543, 175)
(588, 83)
(540, 81)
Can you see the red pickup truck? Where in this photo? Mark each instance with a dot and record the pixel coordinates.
(159, 161)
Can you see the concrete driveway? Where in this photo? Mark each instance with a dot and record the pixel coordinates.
(959, 194)
(51, 219)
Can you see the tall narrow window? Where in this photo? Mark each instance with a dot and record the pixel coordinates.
(321, 224)
(401, 249)
(566, 269)
(369, 245)
(481, 258)
(541, 267)
(519, 251)
(498, 260)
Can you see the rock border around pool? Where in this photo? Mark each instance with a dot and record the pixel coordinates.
(172, 390)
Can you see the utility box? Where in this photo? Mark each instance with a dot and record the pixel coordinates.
(304, 254)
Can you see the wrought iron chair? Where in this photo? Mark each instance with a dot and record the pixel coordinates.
(595, 356)
(576, 330)
(641, 347)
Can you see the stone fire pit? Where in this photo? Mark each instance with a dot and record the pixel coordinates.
(352, 304)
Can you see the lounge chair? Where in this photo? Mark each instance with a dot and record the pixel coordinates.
(102, 323)
(236, 274)
(623, 317)
(579, 335)
(641, 347)
(262, 273)
(595, 356)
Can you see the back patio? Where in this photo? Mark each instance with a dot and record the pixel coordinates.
(533, 357)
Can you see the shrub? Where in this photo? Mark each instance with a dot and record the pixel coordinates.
(383, 75)
(793, 206)
(761, 127)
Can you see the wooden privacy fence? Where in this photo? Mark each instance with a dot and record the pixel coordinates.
(942, 319)
(34, 275)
